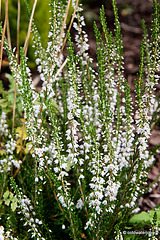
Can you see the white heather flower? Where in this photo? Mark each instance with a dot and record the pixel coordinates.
(79, 204)
(36, 110)
(27, 215)
(127, 205)
(136, 210)
(56, 169)
(77, 112)
(88, 224)
(64, 165)
(39, 68)
(39, 120)
(81, 176)
(16, 163)
(31, 220)
(38, 60)
(70, 115)
(1, 232)
(63, 226)
(36, 179)
(50, 34)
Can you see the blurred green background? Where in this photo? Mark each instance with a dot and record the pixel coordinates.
(41, 18)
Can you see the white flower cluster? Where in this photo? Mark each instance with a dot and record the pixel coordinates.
(1, 232)
(29, 216)
(79, 204)
(74, 3)
(61, 165)
(3, 124)
(5, 163)
(6, 235)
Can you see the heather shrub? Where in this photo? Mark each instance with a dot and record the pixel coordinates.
(73, 159)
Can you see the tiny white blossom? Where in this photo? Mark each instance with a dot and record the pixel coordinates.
(79, 204)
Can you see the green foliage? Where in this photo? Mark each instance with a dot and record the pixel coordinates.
(10, 199)
(145, 218)
(7, 99)
(143, 225)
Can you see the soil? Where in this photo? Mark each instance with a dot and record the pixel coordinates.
(130, 15)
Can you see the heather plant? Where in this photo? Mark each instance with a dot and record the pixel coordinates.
(73, 160)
